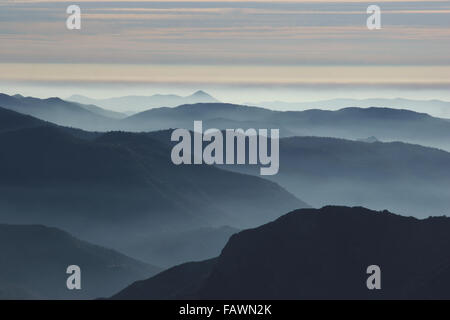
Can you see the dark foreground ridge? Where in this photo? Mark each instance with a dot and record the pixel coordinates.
(317, 254)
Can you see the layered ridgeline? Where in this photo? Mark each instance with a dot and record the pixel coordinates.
(409, 179)
(139, 103)
(11, 120)
(116, 188)
(437, 108)
(35, 259)
(350, 123)
(317, 254)
(65, 113)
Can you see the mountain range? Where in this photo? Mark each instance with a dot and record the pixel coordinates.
(35, 259)
(135, 104)
(117, 188)
(409, 179)
(61, 112)
(437, 108)
(317, 254)
(349, 123)
(386, 124)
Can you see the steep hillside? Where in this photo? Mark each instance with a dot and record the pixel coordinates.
(121, 188)
(317, 254)
(59, 111)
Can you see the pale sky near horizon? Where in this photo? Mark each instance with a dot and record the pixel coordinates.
(252, 46)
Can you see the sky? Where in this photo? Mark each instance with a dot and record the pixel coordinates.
(237, 50)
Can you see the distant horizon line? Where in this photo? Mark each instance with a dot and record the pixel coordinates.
(218, 101)
(250, 104)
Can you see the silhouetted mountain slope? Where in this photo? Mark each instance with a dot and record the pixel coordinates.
(132, 165)
(234, 195)
(184, 115)
(10, 120)
(350, 123)
(139, 103)
(43, 155)
(317, 254)
(59, 112)
(35, 259)
(183, 281)
(122, 186)
(409, 179)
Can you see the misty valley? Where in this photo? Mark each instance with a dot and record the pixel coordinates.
(224, 159)
(117, 197)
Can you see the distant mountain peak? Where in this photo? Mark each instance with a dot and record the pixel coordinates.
(200, 94)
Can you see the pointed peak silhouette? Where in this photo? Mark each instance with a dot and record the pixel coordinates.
(200, 94)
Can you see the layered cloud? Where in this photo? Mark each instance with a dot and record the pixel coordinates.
(238, 33)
